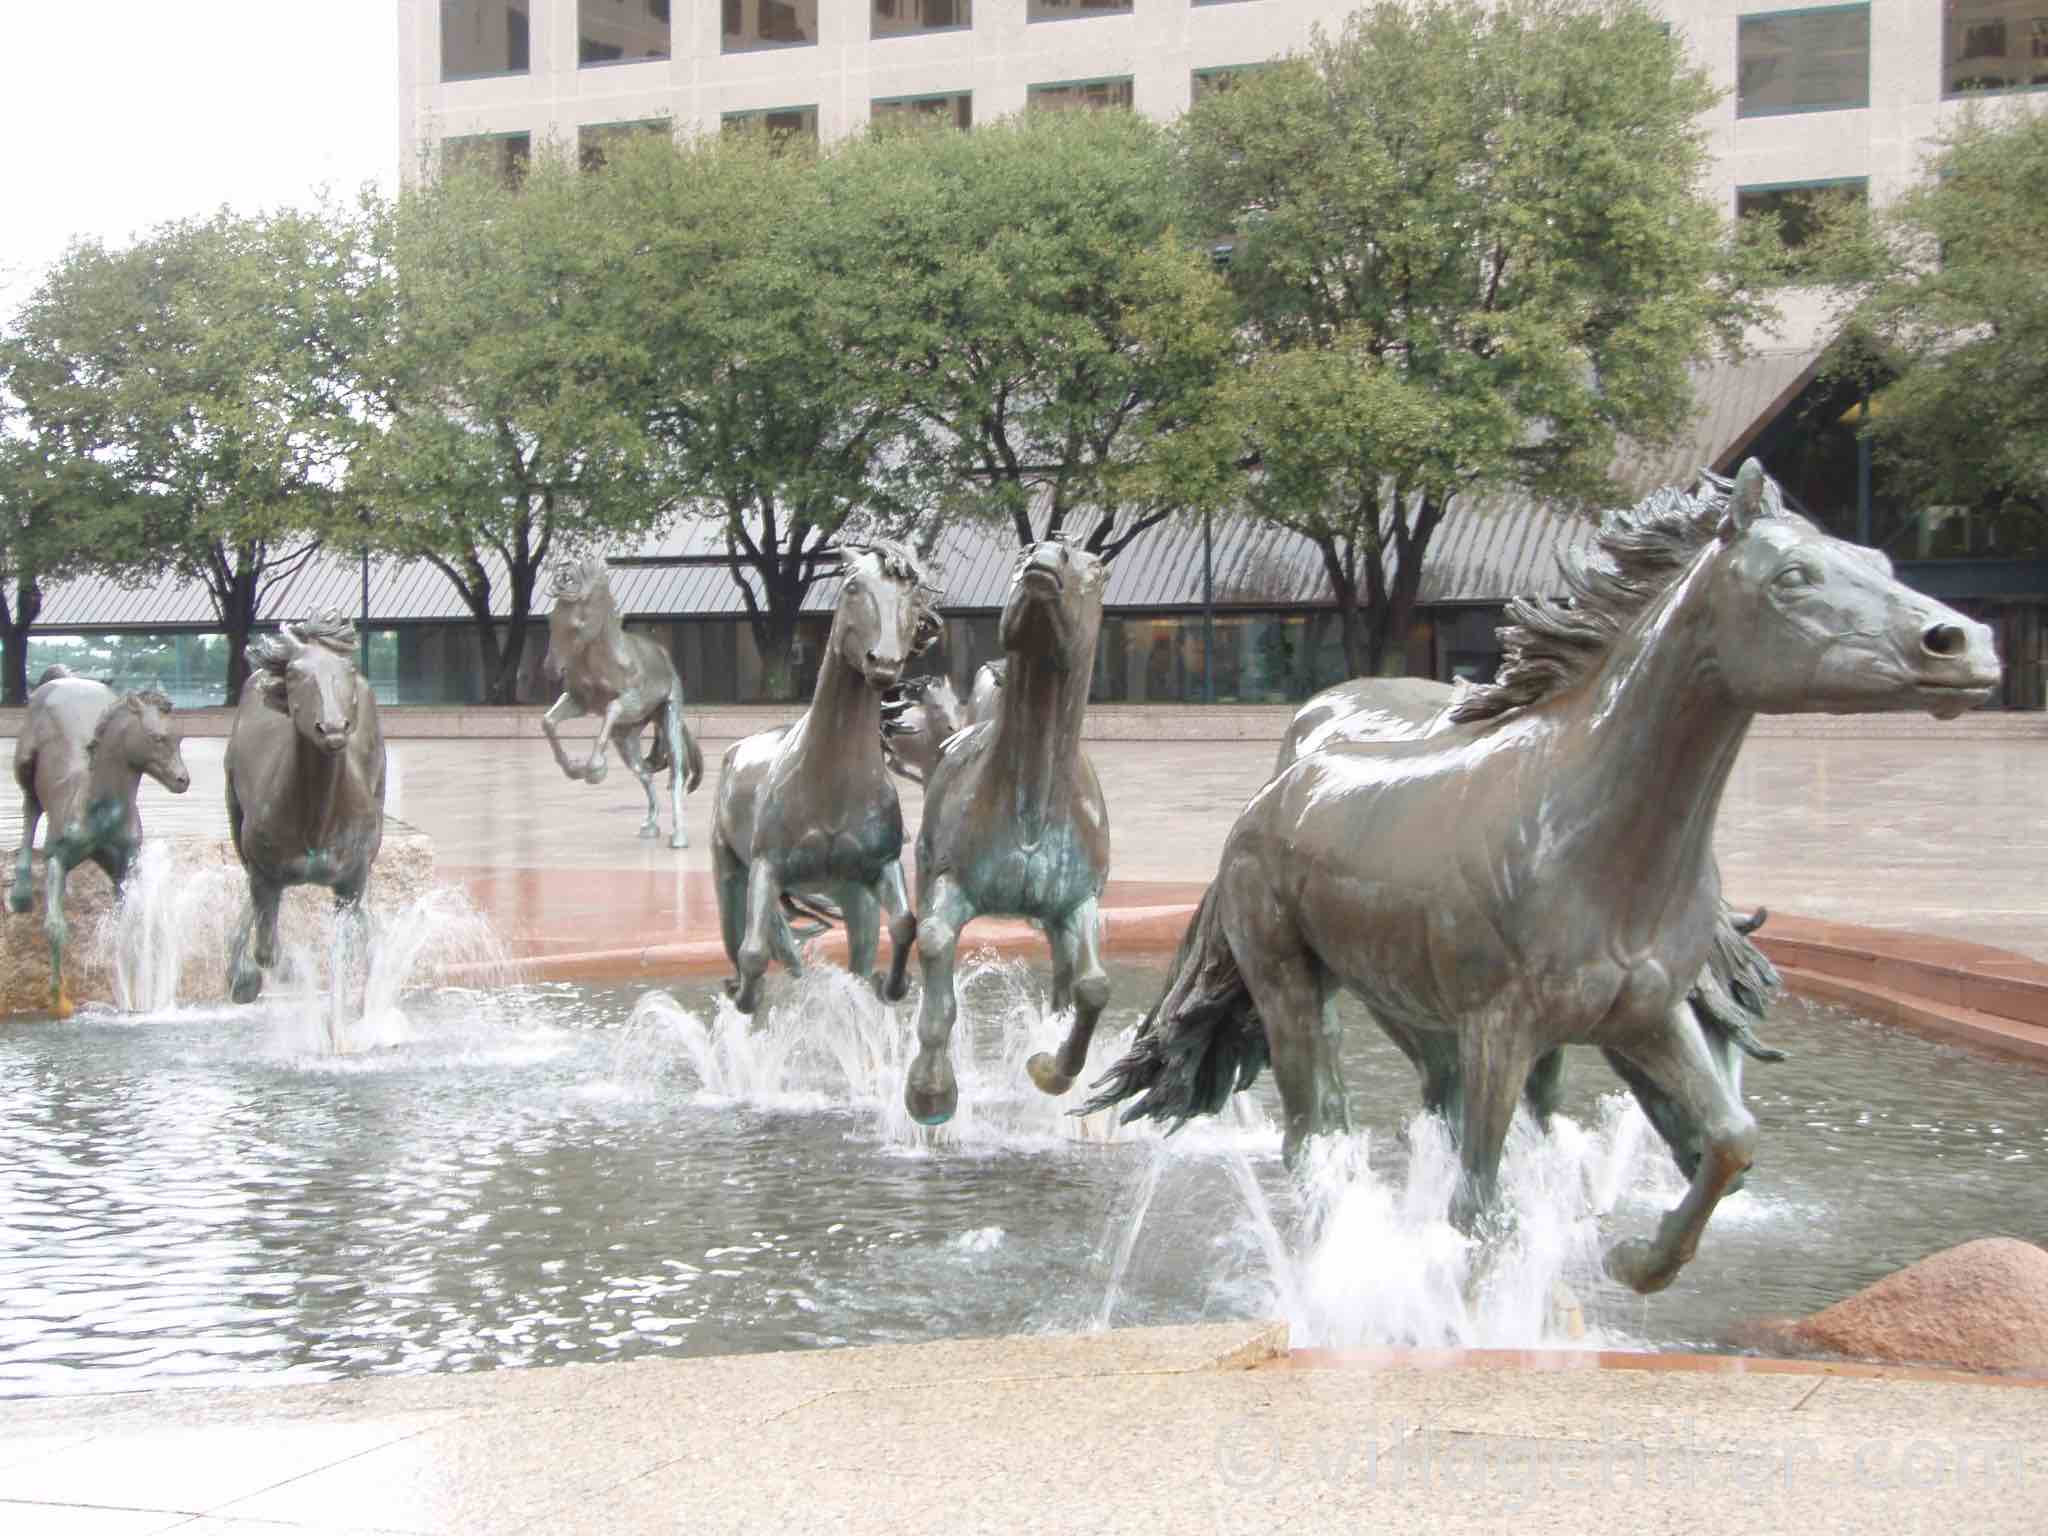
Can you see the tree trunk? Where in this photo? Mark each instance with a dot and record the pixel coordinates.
(1344, 591)
(501, 681)
(1396, 603)
(15, 619)
(238, 617)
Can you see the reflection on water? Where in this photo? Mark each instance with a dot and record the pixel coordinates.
(554, 1173)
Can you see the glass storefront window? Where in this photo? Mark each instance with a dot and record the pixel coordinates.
(1803, 61)
(791, 124)
(1993, 45)
(907, 18)
(483, 37)
(621, 31)
(1080, 95)
(958, 107)
(504, 155)
(750, 24)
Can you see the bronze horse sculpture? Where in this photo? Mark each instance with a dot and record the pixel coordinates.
(305, 783)
(1539, 871)
(79, 760)
(920, 716)
(629, 682)
(1730, 998)
(808, 810)
(1014, 823)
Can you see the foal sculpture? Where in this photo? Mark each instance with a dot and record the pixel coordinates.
(79, 760)
(1730, 997)
(305, 783)
(1014, 823)
(629, 682)
(808, 809)
(1540, 871)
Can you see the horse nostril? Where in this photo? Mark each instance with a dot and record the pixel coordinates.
(1944, 640)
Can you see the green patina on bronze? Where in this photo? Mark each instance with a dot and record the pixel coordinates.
(79, 761)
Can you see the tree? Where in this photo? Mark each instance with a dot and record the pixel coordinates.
(205, 374)
(1471, 256)
(1034, 292)
(1947, 294)
(766, 420)
(506, 427)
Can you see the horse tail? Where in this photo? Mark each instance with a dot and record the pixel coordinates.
(809, 916)
(1202, 1041)
(693, 757)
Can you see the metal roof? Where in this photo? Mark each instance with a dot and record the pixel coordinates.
(1487, 549)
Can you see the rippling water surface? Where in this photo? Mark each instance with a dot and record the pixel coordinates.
(555, 1173)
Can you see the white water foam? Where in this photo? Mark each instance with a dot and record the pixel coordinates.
(166, 917)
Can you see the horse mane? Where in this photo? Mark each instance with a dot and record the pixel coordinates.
(1550, 644)
(130, 703)
(578, 580)
(332, 629)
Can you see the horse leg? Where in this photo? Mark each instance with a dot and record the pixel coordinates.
(1491, 1076)
(1544, 1090)
(860, 910)
(1077, 972)
(1291, 991)
(902, 930)
(598, 765)
(1676, 1059)
(55, 928)
(672, 733)
(627, 740)
(729, 884)
(564, 708)
(22, 897)
(931, 1092)
(245, 970)
(764, 891)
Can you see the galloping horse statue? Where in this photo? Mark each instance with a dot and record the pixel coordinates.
(808, 809)
(305, 783)
(79, 761)
(628, 681)
(1014, 823)
(1539, 870)
(920, 716)
(1730, 998)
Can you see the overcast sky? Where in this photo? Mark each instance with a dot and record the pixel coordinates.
(118, 114)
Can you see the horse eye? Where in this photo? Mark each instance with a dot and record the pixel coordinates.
(1794, 577)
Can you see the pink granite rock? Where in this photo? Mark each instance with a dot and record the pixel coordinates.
(1983, 1306)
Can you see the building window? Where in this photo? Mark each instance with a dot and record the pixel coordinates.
(1993, 45)
(1079, 95)
(1209, 82)
(957, 108)
(781, 124)
(751, 24)
(1803, 61)
(504, 155)
(906, 18)
(595, 140)
(482, 37)
(1069, 10)
(621, 31)
(1799, 208)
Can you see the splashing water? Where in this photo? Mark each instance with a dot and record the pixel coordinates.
(1357, 1250)
(165, 917)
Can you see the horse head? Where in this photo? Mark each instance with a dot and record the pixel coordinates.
(888, 612)
(138, 727)
(308, 671)
(583, 608)
(1804, 622)
(1055, 606)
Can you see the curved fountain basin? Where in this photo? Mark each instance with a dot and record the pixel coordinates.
(534, 1175)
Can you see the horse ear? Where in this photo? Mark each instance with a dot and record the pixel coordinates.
(1746, 501)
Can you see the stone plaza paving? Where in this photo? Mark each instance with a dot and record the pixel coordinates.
(1182, 1429)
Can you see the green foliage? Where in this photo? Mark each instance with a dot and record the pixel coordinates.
(1033, 293)
(1952, 301)
(1472, 255)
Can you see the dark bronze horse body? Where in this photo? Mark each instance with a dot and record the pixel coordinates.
(79, 761)
(1539, 871)
(305, 783)
(1730, 999)
(809, 809)
(626, 680)
(1015, 824)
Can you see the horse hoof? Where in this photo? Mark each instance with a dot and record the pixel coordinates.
(650, 831)
(680, 840)
(593, 773)
(931, 1093)
(1634, 1263)
(19, 900)
(246, 987)
(61, 1006)
(1047, 1075)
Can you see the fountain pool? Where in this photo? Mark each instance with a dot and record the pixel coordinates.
(557, 1173)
